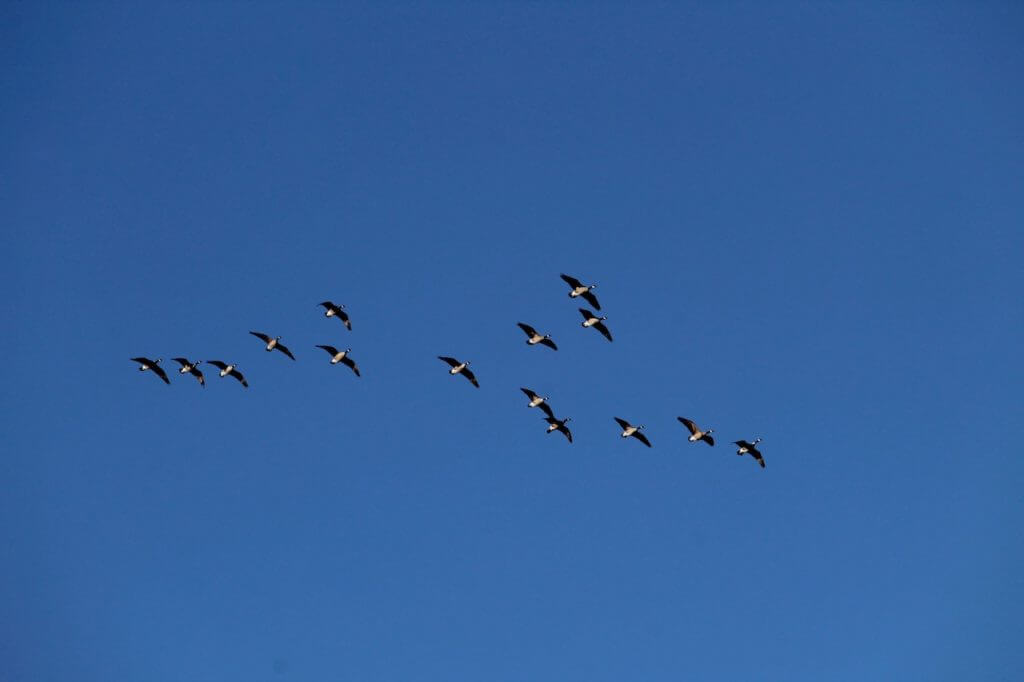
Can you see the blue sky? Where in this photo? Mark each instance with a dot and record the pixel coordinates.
(805, 223)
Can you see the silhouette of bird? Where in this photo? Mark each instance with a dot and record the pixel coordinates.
(537, 401)
(559, 425)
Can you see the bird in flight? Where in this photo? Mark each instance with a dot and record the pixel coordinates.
(460, 368)
(192, 368)
(592, 320)
(578, 288)
(746, 448)
(341, 356)
(533, 337)
(634, 431)
(229, 370)
(559, 425)
(146, 363)
(332, 310)
(273, 343)
(695, 433)
(537, 401)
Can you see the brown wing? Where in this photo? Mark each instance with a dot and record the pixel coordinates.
(530, 331)
(571, 281)
(284, 349)
(349, 362)
(469, 375)
(261, 335)
(688, 423)
(589, 297)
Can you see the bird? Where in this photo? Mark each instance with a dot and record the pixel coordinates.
(460, 368)
(630, 430)
(226, 369)
(273, 343)
(592, 320)
(146, 363)
(332, 310)
(581, 289)
(695, 433)
(750, 449)
(341, 356)
(534, 338)
(537, 401)
(559, 425)
(192, 368)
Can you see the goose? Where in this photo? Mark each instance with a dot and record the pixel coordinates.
(533, 338)
(146, 363)
(537, 401)
(226, 369)
(592, 320)
(332, 310)
(341, 356)
(695, 433)
(581, 289)
(630, 430)
(192, 368)
(273, 343)
(750, 449)
(460, 368)
(559, 425)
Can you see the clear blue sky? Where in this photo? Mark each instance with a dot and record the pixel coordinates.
(805, 220)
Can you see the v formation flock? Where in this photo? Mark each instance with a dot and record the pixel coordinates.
(590, 319)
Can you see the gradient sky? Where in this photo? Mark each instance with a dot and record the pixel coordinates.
(805, 220)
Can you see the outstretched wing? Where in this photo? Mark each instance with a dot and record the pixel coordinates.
(343, 316)
(549, 343)
(642, 438)
(261, 335)
(586, 313)
(530, 331)
(238, 375)
(181, 361)
(349, 362)
(589, 297)
(546, 409)
(529, 394)
(331, 350)
(284, 349)
(160, 373)
(623, 423)
(199, 376)
(604, 330)
(571, 281)
(469, 375)
(451, 361)
(708, 439)
(218, 364)
(688, 423)
(565, 429)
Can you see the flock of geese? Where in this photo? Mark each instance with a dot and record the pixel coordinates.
(533, 337)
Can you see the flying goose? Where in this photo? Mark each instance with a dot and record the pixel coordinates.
(192, 368)
(332, 310)
(273, 343)
(592, 320)
(695, 433)
(559, 425)
(537, 401)
(226, 369)
(630, 430)
(341, 356)
(460, 368)
(146, 363)
(533, 338)
(581, 289)
(750, 449)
